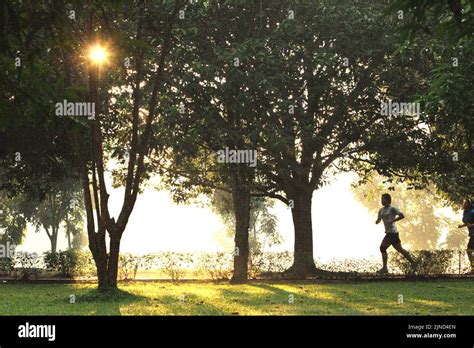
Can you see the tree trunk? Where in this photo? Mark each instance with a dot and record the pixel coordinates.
(241, 200)
(113, 261)
(53, 245)
(303, 264)
(107, 264)
(101, 265)
(54, 240)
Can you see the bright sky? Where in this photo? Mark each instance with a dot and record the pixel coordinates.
(342, 226)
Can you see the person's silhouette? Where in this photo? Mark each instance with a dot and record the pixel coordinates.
(389, 215)
(468, 221)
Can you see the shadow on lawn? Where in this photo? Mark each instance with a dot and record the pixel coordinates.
(109, 302)
(122, 302)
(354, 301)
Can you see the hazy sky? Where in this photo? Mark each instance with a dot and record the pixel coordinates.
(342, 226)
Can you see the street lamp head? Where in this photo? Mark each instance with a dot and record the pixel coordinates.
(98, 54)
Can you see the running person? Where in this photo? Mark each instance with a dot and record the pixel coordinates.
(389, 215)
(468, 221)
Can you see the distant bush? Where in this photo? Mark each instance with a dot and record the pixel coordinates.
(6, 266)
(217, 265)
(63, 262)
(269, 262)
(129, 265)
(428, 262)
(351, 265)
(175, 265)
(85, 266)
(27, 265)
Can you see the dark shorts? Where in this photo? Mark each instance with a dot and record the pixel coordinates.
(470, 244)
(391, 239)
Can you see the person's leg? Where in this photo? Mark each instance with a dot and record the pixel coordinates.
(470, 252)
(398, 247)
(383, 249)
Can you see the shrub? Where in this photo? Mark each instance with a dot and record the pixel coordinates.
(217, 265)
(175, 264)
(6, 265)
(351, 265)
(84, 266)
(129, 265)
(269, 262)
(26, 265)
(428, 262)
(62, 262)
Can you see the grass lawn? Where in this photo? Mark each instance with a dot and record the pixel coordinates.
(454, 297)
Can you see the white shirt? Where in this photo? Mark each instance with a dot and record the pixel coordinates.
(387, 214)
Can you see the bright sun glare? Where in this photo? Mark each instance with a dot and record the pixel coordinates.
(98, 54)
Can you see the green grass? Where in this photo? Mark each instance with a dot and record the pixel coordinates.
(161, 298)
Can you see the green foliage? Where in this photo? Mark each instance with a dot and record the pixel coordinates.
(63, 262)
(263, 224)
(13, 218)
(428, 262)
(218, 266)
(443, 32)
(174, 264)
(27, 265)
(129, 265)
(7, 265)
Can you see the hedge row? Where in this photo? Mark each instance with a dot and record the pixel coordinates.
(218, 265)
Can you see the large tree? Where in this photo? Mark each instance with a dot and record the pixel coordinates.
(213, 107)
(287, 81)
(323, 96)
(125, 94)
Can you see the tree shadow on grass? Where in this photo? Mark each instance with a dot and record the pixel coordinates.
(108, 302)
(350, 300)
(276, 301)
(122, 302)
(189, 305)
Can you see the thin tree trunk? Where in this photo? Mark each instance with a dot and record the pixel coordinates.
(241, 200)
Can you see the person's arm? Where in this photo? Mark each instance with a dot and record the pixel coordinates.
(398, 216)
(379, 218)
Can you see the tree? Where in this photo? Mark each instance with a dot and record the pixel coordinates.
(262, 227)
(61, 206)
(34, 151)
(120, 129)
(323, 99)
(209, 110)
(12, 219)
(295, 90)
